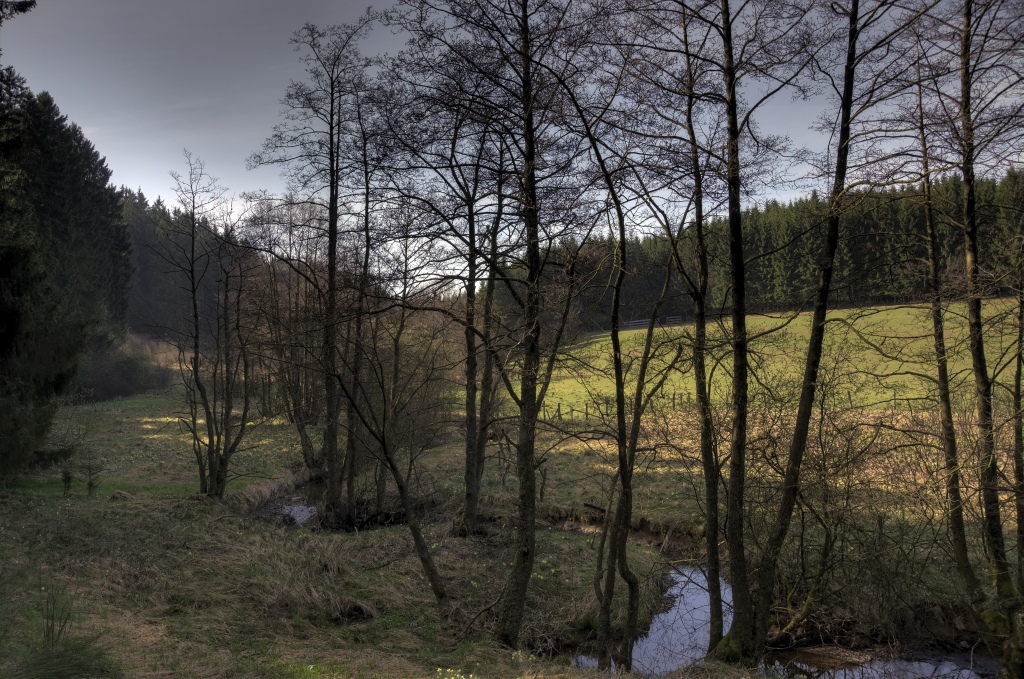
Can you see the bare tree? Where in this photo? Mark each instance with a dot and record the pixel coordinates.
(291, 309)
(678, 184)
(506, 45)
(451, 164)
(984, 110)
(762, 49)
(869, 81)
(214, 339)
(405, 392)
(313, 144)
(925, 73)
(593, 85)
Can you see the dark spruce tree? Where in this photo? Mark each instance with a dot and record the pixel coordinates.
(65, 263)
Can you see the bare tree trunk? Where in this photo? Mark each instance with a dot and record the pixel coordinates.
(1018, 401)
(510, 619)
(1018, 425)
(380, 422)
(478, 426)
(1006, 594)
(310, 143)
(958, 534)
(352, 448)
(329, 348)
(487, 384)
(352, 424)
(604, 611)
(471, 506)
(739, 642)
(809, 382)
(401, 480)
(219, 365)
(197, 365)
(699, 293)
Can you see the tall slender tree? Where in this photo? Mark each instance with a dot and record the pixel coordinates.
(312, 144)
(986, 41)
(505, 45)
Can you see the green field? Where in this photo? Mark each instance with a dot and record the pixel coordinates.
(870, 354)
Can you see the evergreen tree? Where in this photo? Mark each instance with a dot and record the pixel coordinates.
(65, 264)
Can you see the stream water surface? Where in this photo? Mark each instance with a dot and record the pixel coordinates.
(299, 507)
(680, 635)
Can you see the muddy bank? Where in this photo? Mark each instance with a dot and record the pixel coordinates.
(298, 505)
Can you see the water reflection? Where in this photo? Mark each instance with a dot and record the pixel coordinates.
(946, 668)
(299, 508)
(680, 636)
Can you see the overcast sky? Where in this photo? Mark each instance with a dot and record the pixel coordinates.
(146, 79)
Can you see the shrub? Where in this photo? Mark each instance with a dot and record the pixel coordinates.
(115, 372)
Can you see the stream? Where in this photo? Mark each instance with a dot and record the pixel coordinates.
(680, 635)
(299, 507)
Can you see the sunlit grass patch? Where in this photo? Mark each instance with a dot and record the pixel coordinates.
(880, 346)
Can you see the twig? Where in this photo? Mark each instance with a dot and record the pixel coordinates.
(465, 632)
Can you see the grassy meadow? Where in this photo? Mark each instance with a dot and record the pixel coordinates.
(168, 584)
(875, 352)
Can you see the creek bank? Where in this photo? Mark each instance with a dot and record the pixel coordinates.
(678, 636)
(834, 662)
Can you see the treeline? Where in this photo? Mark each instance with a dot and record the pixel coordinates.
(883, 258)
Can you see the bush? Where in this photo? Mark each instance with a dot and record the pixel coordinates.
(116, 372)
(74, 657)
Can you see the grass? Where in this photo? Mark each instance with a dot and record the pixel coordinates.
(872, 465)
(885, 351)
(161, 583)
(166, 583)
